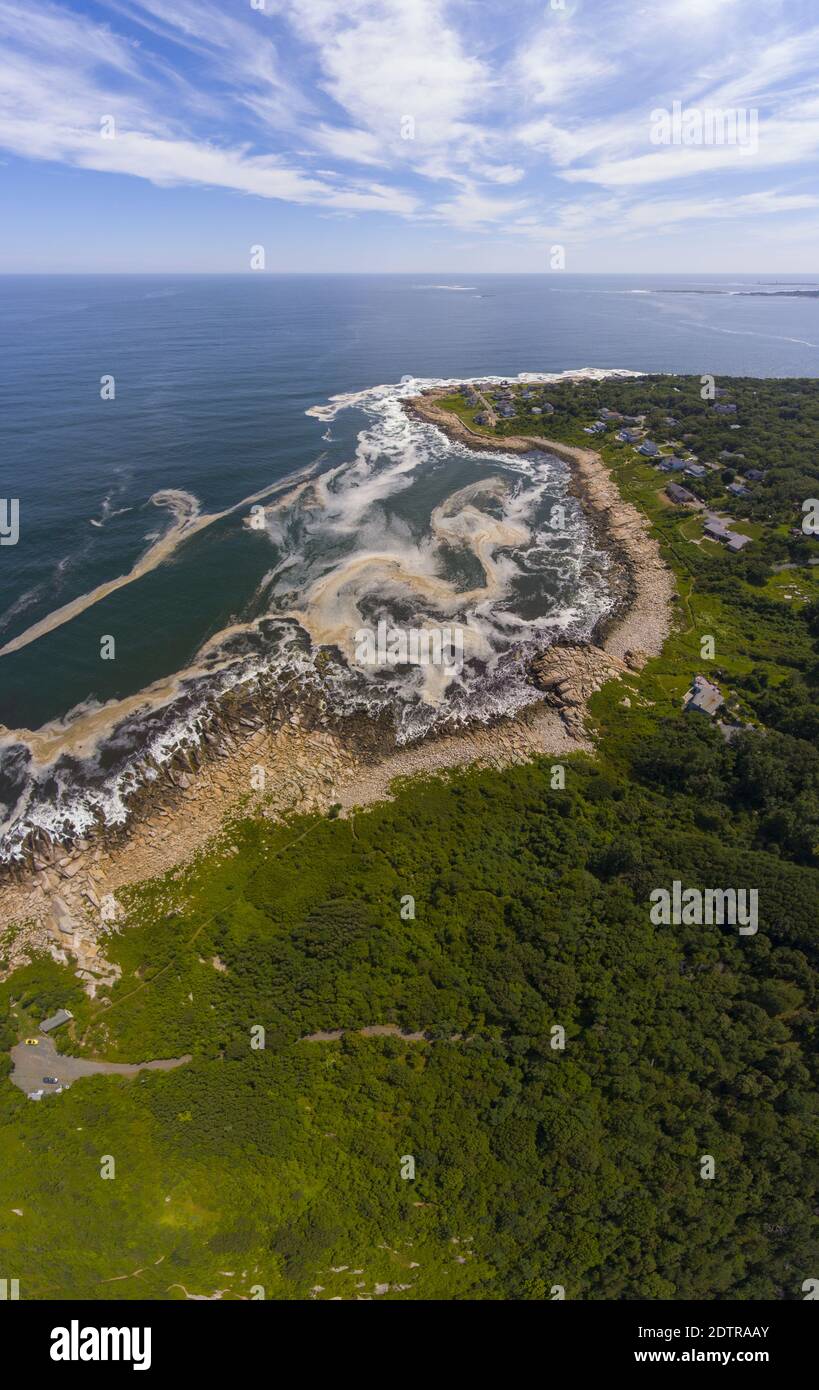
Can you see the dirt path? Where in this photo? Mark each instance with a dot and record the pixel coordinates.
(373, 1030)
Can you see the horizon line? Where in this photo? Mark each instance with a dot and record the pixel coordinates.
(372, 274)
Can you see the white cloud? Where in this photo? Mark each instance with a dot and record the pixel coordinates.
(52, 105)
(471, 208)
(358, 146)
(310, 101)
(556, 63)
(778, 143)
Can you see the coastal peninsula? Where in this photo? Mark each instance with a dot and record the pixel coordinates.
(410, 925)
(312, 762)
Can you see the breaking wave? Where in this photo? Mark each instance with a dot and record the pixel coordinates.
(415, 530)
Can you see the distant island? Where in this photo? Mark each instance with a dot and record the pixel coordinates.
(745, 294)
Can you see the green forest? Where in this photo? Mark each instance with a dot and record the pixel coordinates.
(547, 1136)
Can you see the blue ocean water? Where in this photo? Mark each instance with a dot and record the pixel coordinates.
(213, 379)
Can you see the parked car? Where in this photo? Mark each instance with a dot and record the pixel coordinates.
(50, 1081)
(35, 1042)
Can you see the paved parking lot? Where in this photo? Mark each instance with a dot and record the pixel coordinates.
(31, 1064)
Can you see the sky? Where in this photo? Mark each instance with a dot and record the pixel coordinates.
(405, 135)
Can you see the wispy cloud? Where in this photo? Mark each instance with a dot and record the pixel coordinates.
(522, 121)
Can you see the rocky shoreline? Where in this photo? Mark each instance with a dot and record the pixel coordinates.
(70, 902)
(641, 620)
(270, 753)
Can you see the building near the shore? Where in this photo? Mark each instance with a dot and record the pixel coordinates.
(717, 530)
(703, 696)
(680, 494)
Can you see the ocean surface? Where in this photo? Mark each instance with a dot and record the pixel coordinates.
(256, 470)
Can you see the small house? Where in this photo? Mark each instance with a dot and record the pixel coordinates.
(703, 696)
(55, 1021)
(734, 541)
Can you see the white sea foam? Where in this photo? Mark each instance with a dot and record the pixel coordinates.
(381, 535)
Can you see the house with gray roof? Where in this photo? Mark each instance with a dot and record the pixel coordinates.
(49, 1024)
(680, 494)
(703, 696)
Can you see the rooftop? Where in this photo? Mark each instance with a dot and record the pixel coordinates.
(703, 696)
(61, 1016)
